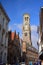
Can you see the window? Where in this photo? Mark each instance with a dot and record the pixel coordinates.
(1, 53)
(4, 58)
(0, 13)
(6, 23)
(6, 38)
(25, 34)
(0, 26)
(3, 31)
(3, 21)
(26, 18)
(1, 57)
(5, 54)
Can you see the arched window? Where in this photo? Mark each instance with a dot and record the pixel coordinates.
(26, 18)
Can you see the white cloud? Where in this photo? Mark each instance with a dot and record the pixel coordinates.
(19, 26)
(34, 28)
(34, 36)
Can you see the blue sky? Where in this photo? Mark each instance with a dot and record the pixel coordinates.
(15, 10)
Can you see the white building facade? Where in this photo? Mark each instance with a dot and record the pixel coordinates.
(4, 20)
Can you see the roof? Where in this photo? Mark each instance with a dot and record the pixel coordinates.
(32, 49)
(4, 12)
(13, 35)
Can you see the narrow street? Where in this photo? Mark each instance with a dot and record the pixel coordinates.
(21, 32)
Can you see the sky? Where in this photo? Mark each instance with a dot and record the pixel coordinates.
(15, 10)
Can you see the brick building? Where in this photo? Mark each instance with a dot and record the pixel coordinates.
(14, 50)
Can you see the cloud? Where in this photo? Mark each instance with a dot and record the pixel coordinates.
(33, 28)
(34, 36)
(18, 25)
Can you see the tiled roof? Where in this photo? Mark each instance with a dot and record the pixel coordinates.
(13, 35)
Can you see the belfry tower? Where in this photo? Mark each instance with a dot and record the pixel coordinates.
(29, 53)
(26, 29)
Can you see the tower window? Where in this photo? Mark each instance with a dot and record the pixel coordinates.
(26, 18)
(25, 34)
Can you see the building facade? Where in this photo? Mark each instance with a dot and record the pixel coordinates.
(4, 20)
(41, 35)
(14, 50)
